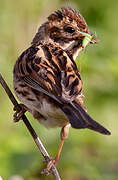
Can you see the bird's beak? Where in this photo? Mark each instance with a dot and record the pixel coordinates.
(94, 38)
(88, 38)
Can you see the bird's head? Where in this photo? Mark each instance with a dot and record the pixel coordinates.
(66, 28)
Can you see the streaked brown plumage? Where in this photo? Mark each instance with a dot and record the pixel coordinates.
(46, 78)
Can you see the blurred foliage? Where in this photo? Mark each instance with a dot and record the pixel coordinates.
(86, 155)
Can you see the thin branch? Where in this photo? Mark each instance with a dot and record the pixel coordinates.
(29, 127)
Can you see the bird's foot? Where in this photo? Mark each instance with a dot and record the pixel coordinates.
(19, 112)
(51, 163)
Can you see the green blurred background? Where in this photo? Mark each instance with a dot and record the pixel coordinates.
(86, 155)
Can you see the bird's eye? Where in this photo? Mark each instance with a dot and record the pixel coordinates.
(69, 29)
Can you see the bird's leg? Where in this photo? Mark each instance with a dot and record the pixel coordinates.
(64, 135)
(19, 112)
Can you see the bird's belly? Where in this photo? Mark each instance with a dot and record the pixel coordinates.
(53, 116)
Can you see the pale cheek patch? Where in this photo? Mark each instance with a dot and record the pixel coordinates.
(69, 46)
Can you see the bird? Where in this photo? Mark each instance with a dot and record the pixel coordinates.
(47, 80)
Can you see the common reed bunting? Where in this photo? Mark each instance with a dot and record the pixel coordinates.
(47, 80)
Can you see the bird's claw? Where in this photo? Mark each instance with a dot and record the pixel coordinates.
(51, 163)
(19, 112)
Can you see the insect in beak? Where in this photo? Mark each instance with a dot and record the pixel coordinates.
(88, 38)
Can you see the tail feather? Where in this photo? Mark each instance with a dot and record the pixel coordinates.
(80, 119)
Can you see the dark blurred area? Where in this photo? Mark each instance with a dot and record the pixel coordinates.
(86, 155)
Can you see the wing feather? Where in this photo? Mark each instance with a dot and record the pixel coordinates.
(50, 72)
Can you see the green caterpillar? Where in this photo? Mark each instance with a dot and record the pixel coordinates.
(86, 39)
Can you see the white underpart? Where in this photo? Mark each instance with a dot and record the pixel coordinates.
(77, 53)
(54, 116)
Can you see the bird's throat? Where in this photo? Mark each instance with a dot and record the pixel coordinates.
(74, 50)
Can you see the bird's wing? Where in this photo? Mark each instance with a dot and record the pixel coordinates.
(49, 70)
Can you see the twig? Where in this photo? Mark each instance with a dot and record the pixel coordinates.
(29, 127)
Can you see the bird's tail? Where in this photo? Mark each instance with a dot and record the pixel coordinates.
(79, 118)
